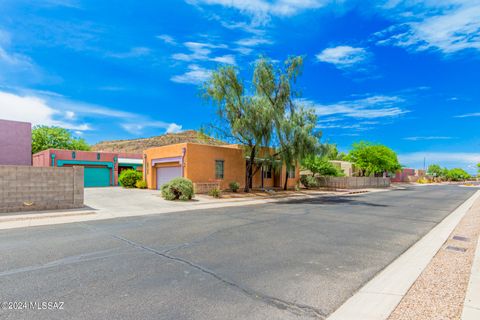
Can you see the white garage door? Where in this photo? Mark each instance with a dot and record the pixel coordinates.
(166, 174)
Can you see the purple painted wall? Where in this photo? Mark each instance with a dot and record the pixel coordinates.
(15, 143)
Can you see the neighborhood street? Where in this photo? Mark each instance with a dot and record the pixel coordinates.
(299, 259)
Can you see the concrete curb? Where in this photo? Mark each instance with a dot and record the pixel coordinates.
(471, 306)
(34, 216)
(379, 297)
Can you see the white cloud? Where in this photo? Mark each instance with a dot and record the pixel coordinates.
(36, 111)
(196, 75)
(132, 53)
(15, 65)
(252, 42)
(138, 128)
(226, 59)
(167, 39)
(377, 106)
(425, 138)
(199, 51)
(243, 50)
(449, 25)
(465, 160)
(261, 10)
(174, 128)
(468, 115)
(344, 57)
(49, 109)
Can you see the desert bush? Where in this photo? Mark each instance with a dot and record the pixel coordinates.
(309, 182)
(215, 192)
(178, 189)
(141, 184)
(423, 180)
(234, 186)
(128, 178)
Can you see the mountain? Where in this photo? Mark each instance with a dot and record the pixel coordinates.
(138, 145)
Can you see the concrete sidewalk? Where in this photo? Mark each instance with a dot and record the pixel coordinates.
(381, 295)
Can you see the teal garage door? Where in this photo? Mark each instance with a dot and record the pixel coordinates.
(96, 177)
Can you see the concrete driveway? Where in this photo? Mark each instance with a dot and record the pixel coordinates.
(294, 260)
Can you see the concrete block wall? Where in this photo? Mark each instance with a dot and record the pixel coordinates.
(40, 188)
(205, 187)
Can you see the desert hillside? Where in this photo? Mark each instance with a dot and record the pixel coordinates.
(138, 145)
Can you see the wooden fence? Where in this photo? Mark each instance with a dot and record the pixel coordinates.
(353, 182)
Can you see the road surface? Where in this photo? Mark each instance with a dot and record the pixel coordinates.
(294, 260)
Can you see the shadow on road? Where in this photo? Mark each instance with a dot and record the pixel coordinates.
(356, 201)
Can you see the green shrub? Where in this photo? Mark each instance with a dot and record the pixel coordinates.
(178, 189)
(215, 192)
(128, 178)
(234, 186)
(141, 184)
(309, 182)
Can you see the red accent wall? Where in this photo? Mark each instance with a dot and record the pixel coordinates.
(15, 143)
(44, 159)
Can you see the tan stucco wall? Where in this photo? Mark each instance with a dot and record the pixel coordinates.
(199, 165)
(170, 151)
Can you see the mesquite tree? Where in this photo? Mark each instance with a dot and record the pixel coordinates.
(242, 118)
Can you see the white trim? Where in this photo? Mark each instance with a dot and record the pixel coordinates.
(130, 161)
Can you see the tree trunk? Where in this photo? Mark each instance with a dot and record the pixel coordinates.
(286, 179)
(249, 171)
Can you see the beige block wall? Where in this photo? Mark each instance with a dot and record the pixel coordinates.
(40, 188)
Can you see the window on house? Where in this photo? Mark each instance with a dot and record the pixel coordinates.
(267, 172)
(219, 169)
(74, 155)
(291, 172)
(98, 156)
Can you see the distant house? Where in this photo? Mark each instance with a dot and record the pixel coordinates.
(205, 164)
(15, 143)
(101, 169)
(408, 175)
(346, 167)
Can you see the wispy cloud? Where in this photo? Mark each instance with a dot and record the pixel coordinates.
(252, 42)
(15, 65)
(426, 138)
(226, 59)
(167, 39)
(344, 57)
(37, 111)
(195, 75)
(376, 106)
(135, 52)
(261, 10)
(201, 51)
(44, 108)
(138, 128)
(448, 26)
(469, 115)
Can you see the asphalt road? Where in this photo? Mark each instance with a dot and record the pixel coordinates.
(295, 260)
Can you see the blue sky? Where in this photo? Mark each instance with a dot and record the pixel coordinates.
(402, 73)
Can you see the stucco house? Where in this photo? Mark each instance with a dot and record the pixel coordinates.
(205, 164)
(101, 169)
(15, 143)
